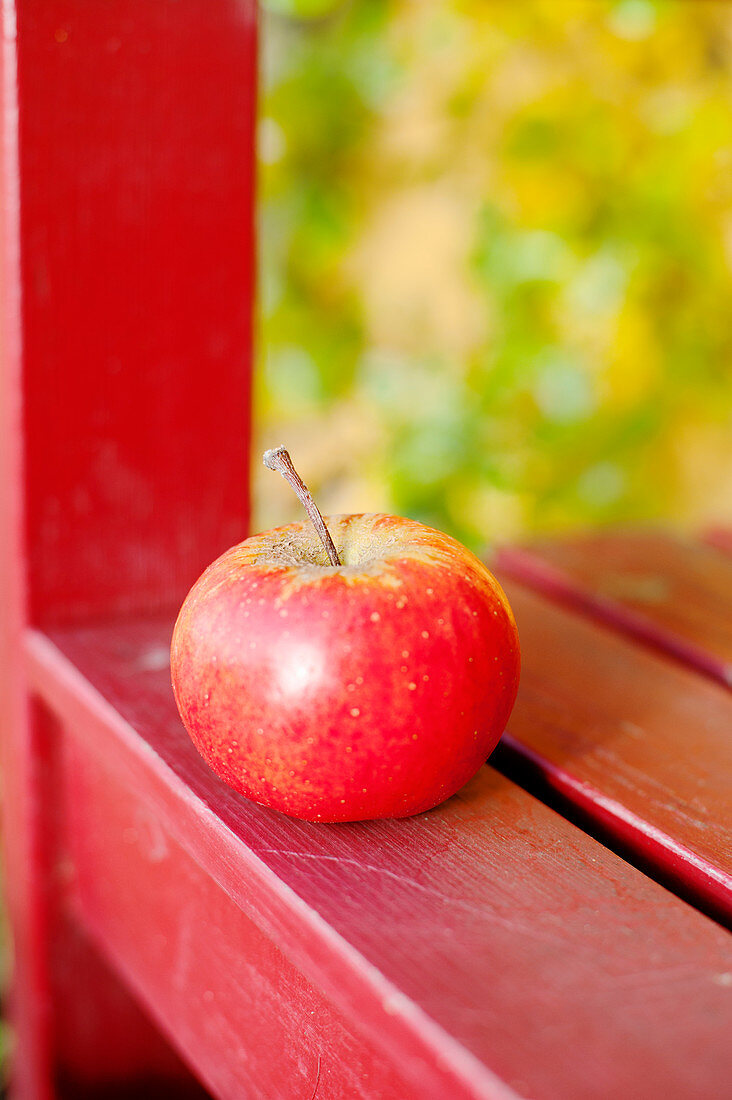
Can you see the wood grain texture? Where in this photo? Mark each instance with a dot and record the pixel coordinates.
(138, 1063)
(488, 941)
(669, 593)
(126, 236)
(244, 1017)
(632, 738)
(136, 176)
(84, 999)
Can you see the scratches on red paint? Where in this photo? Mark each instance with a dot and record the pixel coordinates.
(317, 1080)
(433, 892)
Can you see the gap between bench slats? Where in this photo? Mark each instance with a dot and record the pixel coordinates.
(637, 743)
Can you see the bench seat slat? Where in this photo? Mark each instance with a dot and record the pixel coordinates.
(670, 593)
(478, 948)
(636, 741)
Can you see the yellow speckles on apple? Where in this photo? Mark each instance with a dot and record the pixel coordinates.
(398, 703)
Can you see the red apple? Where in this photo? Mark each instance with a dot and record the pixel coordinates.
(372, 688)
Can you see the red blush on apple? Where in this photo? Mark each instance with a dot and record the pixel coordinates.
(342, 670)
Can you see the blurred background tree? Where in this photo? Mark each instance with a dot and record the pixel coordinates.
(496, 260)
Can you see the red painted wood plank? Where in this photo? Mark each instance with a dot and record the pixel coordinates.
(85, 1000)
(125, 229)
(21, 825)
(139, 1063)
(635, 740)
(486, 940)
(136, 174)
(671, 594)
(241, 1014)
(204, 817)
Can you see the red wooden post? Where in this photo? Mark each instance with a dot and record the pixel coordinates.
(126, 205)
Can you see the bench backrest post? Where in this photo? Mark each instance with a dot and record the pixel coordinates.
(126, 207)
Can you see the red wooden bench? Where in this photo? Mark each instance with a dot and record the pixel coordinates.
(556, 930)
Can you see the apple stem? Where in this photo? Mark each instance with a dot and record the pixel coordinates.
(279, 460)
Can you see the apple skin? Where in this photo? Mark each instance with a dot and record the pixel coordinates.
(373, 689)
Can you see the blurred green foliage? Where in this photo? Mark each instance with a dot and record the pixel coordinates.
(496, 255)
